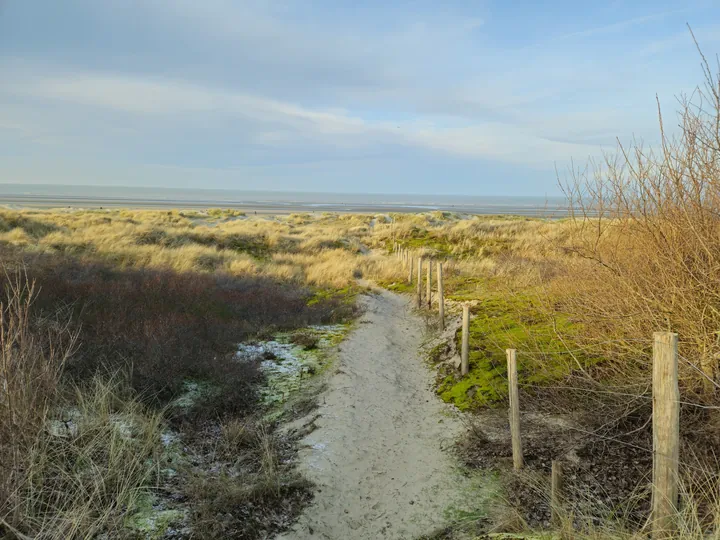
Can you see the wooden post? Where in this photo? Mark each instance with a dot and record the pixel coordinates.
(410, 272)
(441, 296)
(514, 409)
(465, 351)
(419, 283)
(429, 284)
(556, 492)
(666, 433)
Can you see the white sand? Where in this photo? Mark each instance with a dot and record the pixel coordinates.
(377, 456)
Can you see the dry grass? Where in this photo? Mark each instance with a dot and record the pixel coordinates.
(70, 466)
(30, 367)
(319, 251)
(155, 299)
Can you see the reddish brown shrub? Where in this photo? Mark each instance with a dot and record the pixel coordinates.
(164, 327)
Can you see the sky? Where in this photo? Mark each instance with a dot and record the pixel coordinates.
(380, 96)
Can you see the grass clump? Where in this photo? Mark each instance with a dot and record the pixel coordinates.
(251, 490)
(74, 457)
(306, 340)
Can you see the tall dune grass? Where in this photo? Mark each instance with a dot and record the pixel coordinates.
(63, 477)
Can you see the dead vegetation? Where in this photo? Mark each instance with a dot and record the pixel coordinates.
(96, 424)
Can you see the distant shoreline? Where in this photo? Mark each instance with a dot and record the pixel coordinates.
(17, 201)
(272, 202)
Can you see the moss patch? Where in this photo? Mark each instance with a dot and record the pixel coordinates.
(149, 520)
(286, 362)
(509, 321)
(402, 287)
(347, 295)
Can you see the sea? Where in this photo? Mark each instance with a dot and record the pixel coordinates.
(271, 202)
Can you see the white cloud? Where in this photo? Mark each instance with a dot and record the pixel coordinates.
(285, 83)
(288, 123)
(617, 26)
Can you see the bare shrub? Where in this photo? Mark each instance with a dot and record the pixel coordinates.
(32, 356)
(73, 461)
(647, 242)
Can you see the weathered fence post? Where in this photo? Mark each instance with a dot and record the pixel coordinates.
(666, 433)
(419, 283)
(514, 409)
(410, 272)
(429, 284)
(465, 350)
(556, 492)
(441, 296)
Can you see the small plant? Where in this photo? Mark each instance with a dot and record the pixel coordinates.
(306, 340)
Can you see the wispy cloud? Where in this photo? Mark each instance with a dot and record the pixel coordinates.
(618, 26)
(255, 85)
(170, 98)
(707, 36)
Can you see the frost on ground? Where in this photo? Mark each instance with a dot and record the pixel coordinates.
(193, 391)
(286, 360)
(286, 364)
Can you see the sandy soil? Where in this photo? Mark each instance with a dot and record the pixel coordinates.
(378, 455)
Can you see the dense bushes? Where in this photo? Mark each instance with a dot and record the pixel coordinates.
(162, 326)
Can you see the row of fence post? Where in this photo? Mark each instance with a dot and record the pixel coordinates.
(409, 261)
(665, 401)
(666, 435)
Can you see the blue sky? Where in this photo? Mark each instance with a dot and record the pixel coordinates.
(405, 96)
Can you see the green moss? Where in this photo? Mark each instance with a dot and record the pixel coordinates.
(289, 363)
(148, 521)
(481, 496)
(420, 238)
(398, 287)
(509, 321)
(348, 295)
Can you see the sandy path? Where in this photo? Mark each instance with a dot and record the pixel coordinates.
(377, 456)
